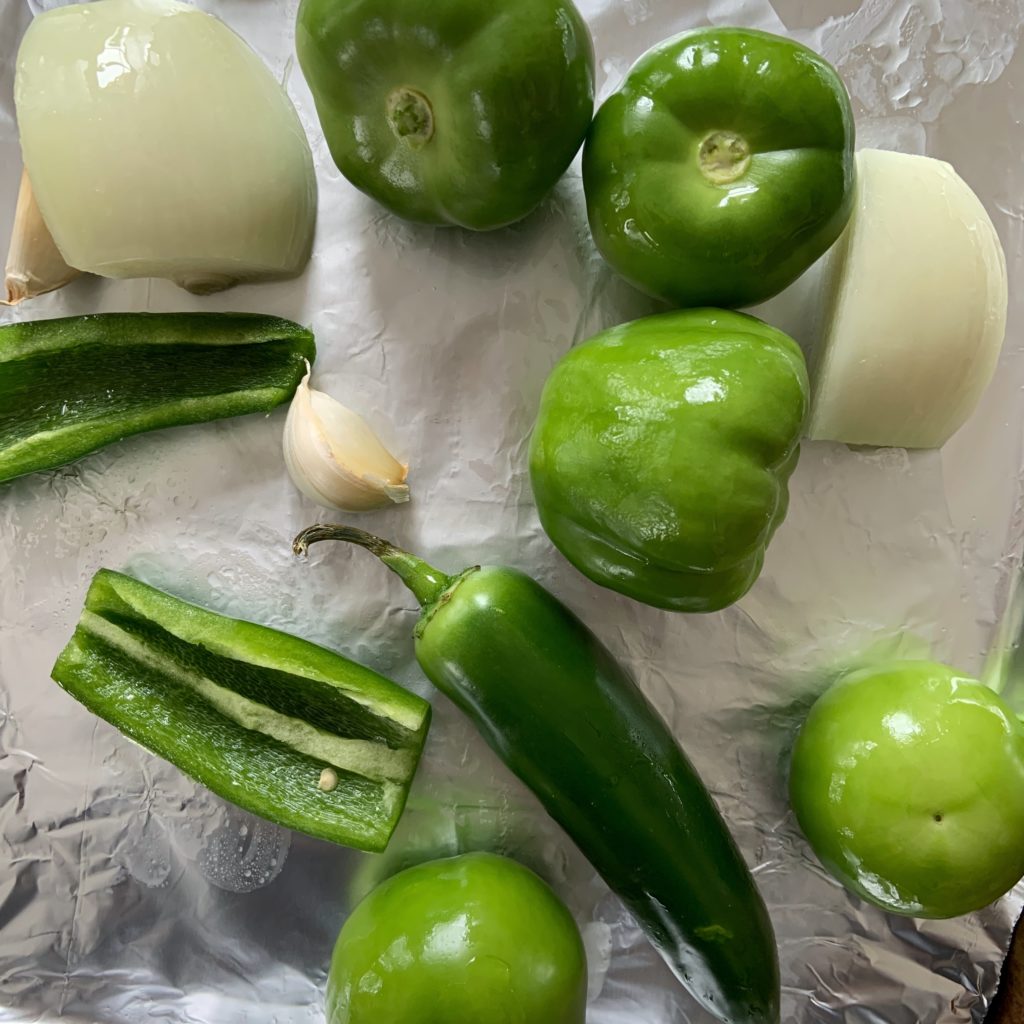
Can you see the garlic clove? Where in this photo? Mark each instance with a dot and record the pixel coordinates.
(34, 263)
(334, 457)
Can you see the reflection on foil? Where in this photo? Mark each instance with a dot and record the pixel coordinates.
(128, 894)
(244, 854)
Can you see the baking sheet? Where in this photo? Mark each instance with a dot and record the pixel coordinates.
(128, 894)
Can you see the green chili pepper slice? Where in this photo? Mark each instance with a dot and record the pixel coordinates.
(75, 384)
(279, 726)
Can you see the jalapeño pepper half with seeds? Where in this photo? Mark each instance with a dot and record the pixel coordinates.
(71, 385)
(290, 731)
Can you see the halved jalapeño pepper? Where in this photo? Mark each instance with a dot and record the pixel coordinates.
(573, 725)
(279, 726)
(72, 385)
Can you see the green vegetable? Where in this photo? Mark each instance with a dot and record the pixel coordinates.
(285, 729)
(461, 112)
(476, 939)
(722, 168)
(661, 454)
(908, 780)
(572, 724)
(72, 385)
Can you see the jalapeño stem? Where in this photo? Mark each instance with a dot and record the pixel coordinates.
(426, 582)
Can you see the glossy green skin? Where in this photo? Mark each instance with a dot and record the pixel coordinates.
(131, 660)
(908, 780)
(661, 454)
(72, 385)
(659, 220)
(572, 724)
(511, 87)
(475, 939)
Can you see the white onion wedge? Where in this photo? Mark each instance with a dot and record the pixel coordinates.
(915, 308)
(160, 145)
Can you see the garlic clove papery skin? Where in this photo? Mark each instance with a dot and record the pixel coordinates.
(334, 457)
(34, 263)
(160, 145)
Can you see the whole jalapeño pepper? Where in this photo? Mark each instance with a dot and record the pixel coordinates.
(558, 709)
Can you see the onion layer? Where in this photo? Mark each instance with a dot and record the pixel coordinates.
(159, 145)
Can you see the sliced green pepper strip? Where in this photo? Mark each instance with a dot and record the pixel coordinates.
(72, 385)
(288, 730)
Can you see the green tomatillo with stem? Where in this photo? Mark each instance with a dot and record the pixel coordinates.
(462, 112)
(558, 709)
(721, 168)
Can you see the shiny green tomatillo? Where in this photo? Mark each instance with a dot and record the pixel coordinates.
(475, 939)
(908, 780)
(662, 450)
(572, 724)
(722, 168)
(460, 112)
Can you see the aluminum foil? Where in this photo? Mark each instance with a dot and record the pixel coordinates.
(128, 894)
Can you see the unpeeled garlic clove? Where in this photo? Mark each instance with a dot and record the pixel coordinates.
(334, 457)
(34, 263)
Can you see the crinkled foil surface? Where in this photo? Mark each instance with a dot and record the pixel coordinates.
(128, 894)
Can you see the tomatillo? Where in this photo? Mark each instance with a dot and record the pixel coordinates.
(662, 450)
(475, 939)
(462, 112)
(908, 780)
(722, 168)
